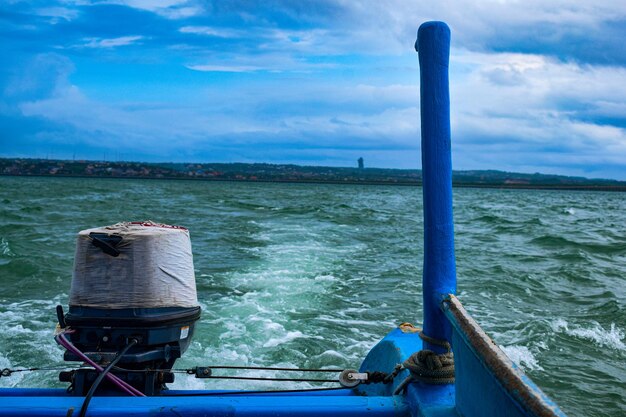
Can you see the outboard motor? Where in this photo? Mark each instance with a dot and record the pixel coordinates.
(133, 283)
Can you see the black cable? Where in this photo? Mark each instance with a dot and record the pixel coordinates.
(254, 378)
(210, 394)
(105, 371)
(192, 371)
(265, 368)
(7, 372)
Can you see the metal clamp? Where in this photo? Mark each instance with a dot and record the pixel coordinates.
(203, 372)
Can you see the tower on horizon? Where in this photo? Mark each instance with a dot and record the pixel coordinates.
(360, 160)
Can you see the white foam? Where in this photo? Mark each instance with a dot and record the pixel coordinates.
(356, 323)
(352, 310)
(271, 325)
(612, 338)
(237, 355)
(326, 277)
(558, 325)
(570, 210)
(284, 339)
(608, 338)
(4, 248)
(522, 356)
(332, 354)
(17, 329)
(184, 382)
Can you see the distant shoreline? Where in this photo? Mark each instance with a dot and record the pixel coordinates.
(556, 187)
(296, 174)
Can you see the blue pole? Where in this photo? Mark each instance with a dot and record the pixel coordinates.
(433, 46)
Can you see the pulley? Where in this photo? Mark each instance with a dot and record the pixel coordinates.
(350, 378)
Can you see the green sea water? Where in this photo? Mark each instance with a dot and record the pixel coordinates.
(314, 275)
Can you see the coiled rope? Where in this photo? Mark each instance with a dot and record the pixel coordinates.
(428, 366)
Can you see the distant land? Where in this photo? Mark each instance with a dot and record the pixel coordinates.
(261, 172)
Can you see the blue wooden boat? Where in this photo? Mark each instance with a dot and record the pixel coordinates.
(448, 368)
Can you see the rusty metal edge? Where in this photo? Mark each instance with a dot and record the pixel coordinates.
(530, 398)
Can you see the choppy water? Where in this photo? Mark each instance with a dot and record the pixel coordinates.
(315, 275)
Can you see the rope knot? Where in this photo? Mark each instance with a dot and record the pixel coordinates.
(430, 367)
(430, 359)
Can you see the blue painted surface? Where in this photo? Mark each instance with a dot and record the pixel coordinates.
(395, 348)
(431, 400)
(240, 405)
(421, 399)
(57, 392)
(433, 44)
(543, 396)
(481, 390)
(480, 393)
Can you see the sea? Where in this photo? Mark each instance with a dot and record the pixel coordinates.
(314, 275)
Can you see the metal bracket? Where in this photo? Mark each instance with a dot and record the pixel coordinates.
(203, 372)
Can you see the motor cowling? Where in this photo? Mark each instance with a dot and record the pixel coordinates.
(132, 281)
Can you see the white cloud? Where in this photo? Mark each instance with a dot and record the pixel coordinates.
(171, 9)
(390, 27)
(205, 123)
(268, 62)
(224, 68)
(509, 108)
(151, 5)
(42, 76)
(519, 83)
(58, 14)
(110, 43)
(211, 31)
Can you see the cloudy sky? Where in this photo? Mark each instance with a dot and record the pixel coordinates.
(536, 86)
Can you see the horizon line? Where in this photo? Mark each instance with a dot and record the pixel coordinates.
(300, 165)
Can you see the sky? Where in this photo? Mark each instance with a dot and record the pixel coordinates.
(536, 86)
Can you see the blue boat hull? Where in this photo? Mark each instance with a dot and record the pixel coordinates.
(345, 404)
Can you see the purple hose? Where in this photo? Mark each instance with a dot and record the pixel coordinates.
(118, 382)
(63, 341)
(123, 385)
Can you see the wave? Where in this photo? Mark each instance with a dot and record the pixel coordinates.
(5, 249)
(612, 338)
(549, 241)
(522, 357)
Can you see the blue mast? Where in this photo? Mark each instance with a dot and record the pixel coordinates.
(439, 279)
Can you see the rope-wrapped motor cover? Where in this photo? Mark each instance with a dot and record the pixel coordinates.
(152, 267)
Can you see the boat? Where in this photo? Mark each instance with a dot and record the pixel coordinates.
(449, 367)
